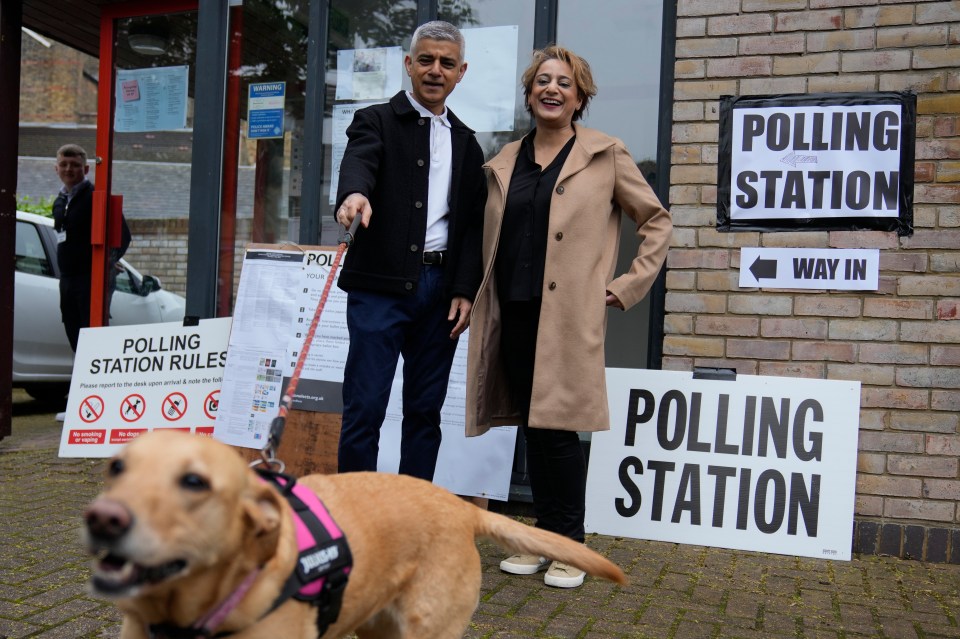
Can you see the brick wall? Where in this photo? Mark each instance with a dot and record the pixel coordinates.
(902, 341)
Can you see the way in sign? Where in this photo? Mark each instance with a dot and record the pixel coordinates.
(818, 268)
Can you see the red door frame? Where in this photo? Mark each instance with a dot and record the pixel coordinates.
(105, 232)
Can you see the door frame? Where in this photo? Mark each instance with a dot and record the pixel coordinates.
(105, 231)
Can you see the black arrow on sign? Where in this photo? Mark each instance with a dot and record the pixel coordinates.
(764, 268)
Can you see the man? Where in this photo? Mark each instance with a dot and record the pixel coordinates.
(412, 171)
(72, 219)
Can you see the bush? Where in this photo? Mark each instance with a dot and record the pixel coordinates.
(43, 206)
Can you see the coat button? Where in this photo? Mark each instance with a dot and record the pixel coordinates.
(421, 121)
(419, 162)
(559, 236)
(553, 286)
(418, 204)
(408, 286)
(413, 248)
(560, 190)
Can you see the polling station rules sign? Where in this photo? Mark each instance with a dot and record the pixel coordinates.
(836, 161)
(753, 463)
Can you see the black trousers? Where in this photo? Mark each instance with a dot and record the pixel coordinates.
(558, 468)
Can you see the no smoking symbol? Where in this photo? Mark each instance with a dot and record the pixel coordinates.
(91, 408)
(132, 408)
(174, 406)
(212, 404)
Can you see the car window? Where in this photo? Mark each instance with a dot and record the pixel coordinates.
(125, 282)
(31, 257)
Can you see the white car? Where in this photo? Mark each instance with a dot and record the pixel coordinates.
(42, 358)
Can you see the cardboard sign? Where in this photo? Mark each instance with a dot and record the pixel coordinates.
(759, 463)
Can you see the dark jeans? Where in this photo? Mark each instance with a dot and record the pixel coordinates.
(382, 327)
(75, 306)
(558, 468)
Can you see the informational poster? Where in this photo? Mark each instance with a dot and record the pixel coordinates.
(825, 269)
(369, 74)
(753, 463)
(265, 103)
(152, 99)
(486, 97)
(127, 381)
(276, 303)
(342, 117)
(817, 162)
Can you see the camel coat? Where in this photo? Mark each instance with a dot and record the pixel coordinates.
(598, 182)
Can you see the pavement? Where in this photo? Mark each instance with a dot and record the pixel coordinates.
(675, 591)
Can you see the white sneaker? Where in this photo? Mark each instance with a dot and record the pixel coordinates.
(524, 564)
(60, 417)
(562, 575)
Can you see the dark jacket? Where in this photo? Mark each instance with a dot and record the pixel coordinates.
(75, 253)
(388, 160)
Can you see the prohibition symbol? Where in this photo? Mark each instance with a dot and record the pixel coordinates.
(211, 404)
(174, 406)
(132, 407)
(91, 408)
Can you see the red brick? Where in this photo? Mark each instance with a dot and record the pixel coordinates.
(943, 445)
(945, 355)
(887, 485)
(922, 466)
(893, 354)
(948, 309)
(808, 21)
(895, 398)
(941, 489)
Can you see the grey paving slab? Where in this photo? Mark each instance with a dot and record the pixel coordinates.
(675, 591)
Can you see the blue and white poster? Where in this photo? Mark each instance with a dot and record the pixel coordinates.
(265, 110)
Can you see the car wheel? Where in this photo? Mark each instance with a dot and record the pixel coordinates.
(54, 392)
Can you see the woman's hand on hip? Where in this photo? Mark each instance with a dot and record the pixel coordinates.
(613, 300)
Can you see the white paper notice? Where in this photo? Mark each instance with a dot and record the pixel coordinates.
(369, 74)
(153, 99)
(342, 117)
(485, 99)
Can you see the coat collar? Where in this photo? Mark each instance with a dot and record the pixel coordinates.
(589, 143)
(404, 110)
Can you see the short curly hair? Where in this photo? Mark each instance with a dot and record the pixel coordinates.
(582, 75)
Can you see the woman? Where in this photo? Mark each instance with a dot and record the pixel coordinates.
(551, 235)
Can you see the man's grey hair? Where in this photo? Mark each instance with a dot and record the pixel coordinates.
(439, 30)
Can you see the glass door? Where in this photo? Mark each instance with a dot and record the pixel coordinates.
(143, 153)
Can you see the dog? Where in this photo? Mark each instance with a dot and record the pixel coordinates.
(183, 525)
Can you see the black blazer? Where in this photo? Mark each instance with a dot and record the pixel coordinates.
(388, 160)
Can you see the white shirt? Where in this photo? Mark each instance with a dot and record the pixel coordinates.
(441, 168)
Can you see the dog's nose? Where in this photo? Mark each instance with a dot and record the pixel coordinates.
(108, 520)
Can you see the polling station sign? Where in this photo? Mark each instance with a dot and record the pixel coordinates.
(754, 463)
(828, 161)
(128, 380)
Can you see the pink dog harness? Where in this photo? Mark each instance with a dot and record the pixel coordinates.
(324, 563)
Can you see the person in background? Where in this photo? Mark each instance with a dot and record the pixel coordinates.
(72, 219)
(412, 172)
(550, 240)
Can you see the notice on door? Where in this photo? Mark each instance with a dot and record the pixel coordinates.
(756, 463)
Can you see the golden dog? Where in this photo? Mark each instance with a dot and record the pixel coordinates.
(183, 520)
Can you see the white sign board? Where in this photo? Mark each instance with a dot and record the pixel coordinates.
(278, 294)
(760, 463)
(128, 380)
(831, 269)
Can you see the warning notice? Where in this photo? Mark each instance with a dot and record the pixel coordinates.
(127, 381)
(756, 463)
(817, 162)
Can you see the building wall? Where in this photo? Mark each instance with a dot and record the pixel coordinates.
(902, 342)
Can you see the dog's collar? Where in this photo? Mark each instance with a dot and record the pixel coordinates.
(206, 626)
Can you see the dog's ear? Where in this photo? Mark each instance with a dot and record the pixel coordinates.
(263, 509)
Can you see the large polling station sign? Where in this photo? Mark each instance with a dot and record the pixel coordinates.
(842, 161)
(752, 463)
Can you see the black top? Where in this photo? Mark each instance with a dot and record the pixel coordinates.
(522, 251)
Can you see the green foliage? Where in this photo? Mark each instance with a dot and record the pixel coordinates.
(43, 206)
